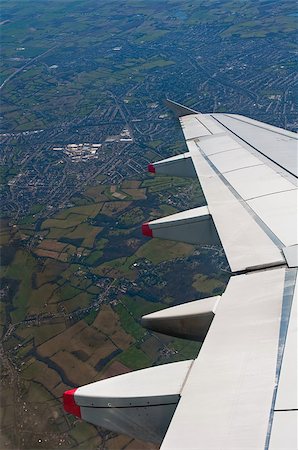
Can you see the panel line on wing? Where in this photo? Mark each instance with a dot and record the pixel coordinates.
(287, 302)
(241, 168)
(255, 148)
(267, 195)
(204, 125)
(234, 117)
(252, 213)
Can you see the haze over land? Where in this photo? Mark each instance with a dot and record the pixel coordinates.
(82, 87)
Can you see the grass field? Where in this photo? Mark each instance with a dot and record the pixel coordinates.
(21, 269)
(70, 221)
(157, 250)
(128, 322)
(206, 285)
(134, 358)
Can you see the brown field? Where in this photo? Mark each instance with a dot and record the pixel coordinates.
(90, 237)
(206, 285)
(139, 445)
(78, 338)
(57, 233)
(49, 254)
(38, 298)
(122, 339)
(86, 435)
(103, 351)
(96, 193)
(61, 341)
(90, 339)
(113, 208)
(76, 371)
(70, 221)
(130, 184)
(106, 320)
(51, 244)
(136, 194)
(41, 373)
(79, 301)
(151, 347)
(4, 238)
(51, 270)
(87, 210)
(79, 232)
(59, 389)
(43, 333)
(36, 393)
(7, 418)
(114, 369)
(119, 442)
(6, 404)
(119, 195)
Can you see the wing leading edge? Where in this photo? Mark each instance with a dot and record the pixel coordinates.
(241, 390)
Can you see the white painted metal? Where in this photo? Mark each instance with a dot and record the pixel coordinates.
(257, 181)
(193, 128)
(174, 219)
(271, 198)
(279, 212)
(234, 159)
(287, 393)
(194, 226)
(180, 165)
(140, 404)
(276, 143)
(197, 307)
(209, 123)
(151, 386)
(190, 320)
(225, 403)
(218, 143)
(284, 431)
(291, 255)
(245, 243)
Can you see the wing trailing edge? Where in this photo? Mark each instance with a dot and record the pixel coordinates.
(178, 109)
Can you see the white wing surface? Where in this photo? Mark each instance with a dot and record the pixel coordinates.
(240, 392)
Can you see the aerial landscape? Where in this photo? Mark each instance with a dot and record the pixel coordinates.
(83, 86)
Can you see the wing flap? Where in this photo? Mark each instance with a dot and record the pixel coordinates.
(194, 226)
(245, 243)
(227, 399)
(190, 320)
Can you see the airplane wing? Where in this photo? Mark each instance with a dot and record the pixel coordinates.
(241, 391)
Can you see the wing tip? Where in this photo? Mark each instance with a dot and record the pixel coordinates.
(178, 109)
(146, 230)
(69, 403)
(151, 168)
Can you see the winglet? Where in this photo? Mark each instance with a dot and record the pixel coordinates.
(178, 109)
(69, 403)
